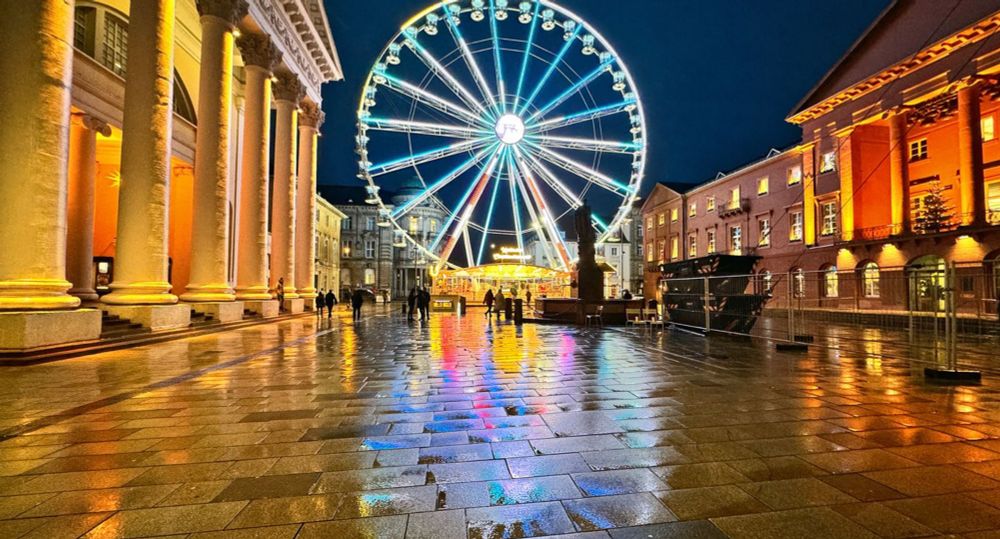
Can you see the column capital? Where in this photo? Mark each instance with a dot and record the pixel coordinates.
(258, 50)
(93, 123)
(288, 88)
(311, 115)
(230, 11)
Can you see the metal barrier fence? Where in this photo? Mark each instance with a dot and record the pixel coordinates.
(937, 313)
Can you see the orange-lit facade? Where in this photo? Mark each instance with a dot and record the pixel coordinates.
(911, 110)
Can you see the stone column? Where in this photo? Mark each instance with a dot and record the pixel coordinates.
(310, 120)
(260, 57)
(846, 173)
(36, 62)
(899, 181)
(80, 204)
(288, 92)
(972, 189)
(808, 195)
(141, 255)
(210, 219)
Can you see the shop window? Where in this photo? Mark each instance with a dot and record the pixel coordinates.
(369, 277)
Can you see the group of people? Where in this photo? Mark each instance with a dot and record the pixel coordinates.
(500, 301)
(419, 299)
(329, 299)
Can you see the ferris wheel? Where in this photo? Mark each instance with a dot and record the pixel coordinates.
(506, 116)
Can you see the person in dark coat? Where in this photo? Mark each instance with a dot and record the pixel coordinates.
(320, 302)
(411, 303)
(280, 293)
(331, 300)
(501, 302)
(357, 300)
(626, 295)
(488, 301)
(424, 303)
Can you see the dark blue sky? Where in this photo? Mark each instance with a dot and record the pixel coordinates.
(717, 77)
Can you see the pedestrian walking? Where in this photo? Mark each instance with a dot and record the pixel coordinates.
(411, 303)
(331, 300)
(527, 297)
(357, 299)
(488, 301)
(280, 292)
(320, 302)
(501, 302)
(424, 303)
(626, 295)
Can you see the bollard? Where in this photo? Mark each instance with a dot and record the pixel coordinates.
(518, 311)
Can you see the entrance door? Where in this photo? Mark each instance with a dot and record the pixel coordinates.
(926, 280)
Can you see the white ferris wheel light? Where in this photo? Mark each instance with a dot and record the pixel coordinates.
(485, 102)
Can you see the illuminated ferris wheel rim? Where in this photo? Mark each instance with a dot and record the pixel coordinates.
(501, 137)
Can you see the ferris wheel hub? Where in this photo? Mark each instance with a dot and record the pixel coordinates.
(510, 129)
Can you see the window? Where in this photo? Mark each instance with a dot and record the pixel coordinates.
(993, 198)
(369, 248)
(870, 280)
(829, 213)
(115, 44)
(710, 241)
(918, 150)
(345, 249)
(674, 214)
(414, 225)
(369, 276)
(661, 219)
(736, 240)
(794, 174)
(734, 197)
(795, 226)
(798, 283)
(693, 209)
(83, 29)
(988, 128)
(638, 250)
(763, 185)
(709, 204)
(649, 252)
(649, 223)
(766, 282)
(764, 232)
(693, 245)
(614, 251)
(831, 284)
(434, 225)
(661, 247)
(675, 247)
(346, 223)
(369, 223)
(828, 162)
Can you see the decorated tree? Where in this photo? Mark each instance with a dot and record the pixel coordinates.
(935, 215)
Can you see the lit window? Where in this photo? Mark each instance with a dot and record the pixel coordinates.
(345, 250)
(115, 44)
(674, 215)
(798, 283)
(692, 245)
(369, 276)
(649, 252)
(675, 247)
(831, 284)
(766, 282)
(918, 150)
(870, 280)
(692, 209)
(661, 247)
(988, 128)
(829, 212)
(369, 248)
(764, 231)
(736, 240)
(414, 225)
(734, 197)
(763, 186)
(710, 241)
(795, 226)
(434, 225)
(828, 162)
(649, 223)
(794, 174)
(661, 219)
(710, 204)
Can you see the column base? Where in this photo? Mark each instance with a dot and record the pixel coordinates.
(140, 294)
(223, 311)
(293, 306)
(154, 317)
(267, 308)
(21, 331)
(208, 293)
(36, 295)
(254, 293)
(85, 294)
(307, 293)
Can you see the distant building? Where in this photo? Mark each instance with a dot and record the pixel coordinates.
(328, 223)
(410, 265)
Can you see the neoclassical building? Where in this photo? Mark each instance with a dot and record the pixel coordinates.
(136, 161)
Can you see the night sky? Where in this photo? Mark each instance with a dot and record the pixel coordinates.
(717, 78)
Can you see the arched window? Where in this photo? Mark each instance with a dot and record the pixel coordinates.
(831, 282)
(870, 280)
(798, 282)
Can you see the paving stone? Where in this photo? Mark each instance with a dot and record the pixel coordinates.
(526, 520)
(617, 511)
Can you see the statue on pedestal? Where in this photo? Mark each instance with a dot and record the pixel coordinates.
(589, 276)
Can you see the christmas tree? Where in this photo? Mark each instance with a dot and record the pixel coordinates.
(935, 215)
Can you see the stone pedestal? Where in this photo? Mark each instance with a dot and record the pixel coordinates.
(294, 306)
(154, 317)
(222, 311)
(23, 331)
(266, 308)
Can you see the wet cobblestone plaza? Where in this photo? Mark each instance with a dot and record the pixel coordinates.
(459, 427)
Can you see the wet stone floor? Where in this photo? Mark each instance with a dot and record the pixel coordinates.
(463, 428)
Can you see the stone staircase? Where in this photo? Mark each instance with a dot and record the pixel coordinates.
(115, 327)
(201, 320)
(252, 315)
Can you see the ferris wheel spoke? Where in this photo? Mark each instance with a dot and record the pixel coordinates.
(427, 156)
(581, 117)
(547, 220)
(489, 219)
(444, 75)
(501, 87)
(468, 205)
(442, 182)
(420, 95)
(591, 145)
(515, 211)
(470, 62)
(583, 171)
(572, 90)
(552, 67)
(538, 223)
(527, 55)
(548, 177)
(424, 128)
